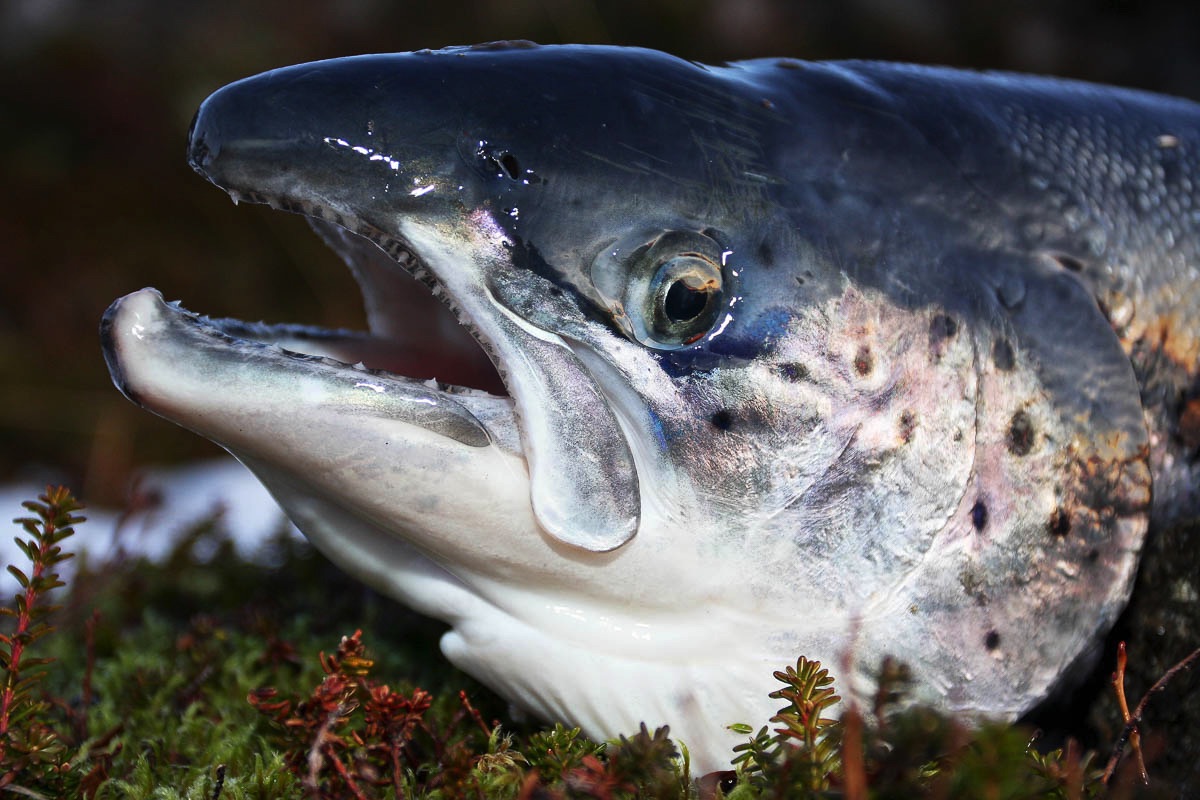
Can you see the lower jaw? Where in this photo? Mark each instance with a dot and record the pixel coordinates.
(204, 376)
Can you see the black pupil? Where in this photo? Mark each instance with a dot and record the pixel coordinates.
(682, 303)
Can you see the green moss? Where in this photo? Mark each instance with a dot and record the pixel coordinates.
(174, 699)
(208, 677)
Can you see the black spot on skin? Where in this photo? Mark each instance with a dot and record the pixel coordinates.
(1020, 434)
(863, 361)
(793, 372)
(979, 515)
(941, 328)
(1060, 522)
(1069, 263)
(722, 420)
(992, 640)
(908, 424)
(1002, 355)
(766, 256)
(1093, 555)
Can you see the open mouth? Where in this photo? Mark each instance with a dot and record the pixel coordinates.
(414, 330)
(417, 332)
(417, 354)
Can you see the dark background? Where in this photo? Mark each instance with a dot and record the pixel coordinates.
(96, 97)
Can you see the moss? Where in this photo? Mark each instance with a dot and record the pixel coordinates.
(208, 677)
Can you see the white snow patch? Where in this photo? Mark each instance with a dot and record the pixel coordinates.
(177, 499)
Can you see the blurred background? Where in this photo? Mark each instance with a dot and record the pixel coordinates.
(96, 97)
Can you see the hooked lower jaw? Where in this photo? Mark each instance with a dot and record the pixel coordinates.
(387, 450)
(229, 380)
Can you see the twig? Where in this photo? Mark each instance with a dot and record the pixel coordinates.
(1074, 776)
(475, 715)
(338, 765)
(1130, 733)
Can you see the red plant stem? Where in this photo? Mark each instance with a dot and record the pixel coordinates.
(24, 621)
(397, 770)
(1132, 720)
(332, 755)
(475, 715)
(1118, 681)
(854, 769)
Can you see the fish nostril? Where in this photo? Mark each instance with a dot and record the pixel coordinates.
(502, 163)
(509, 164)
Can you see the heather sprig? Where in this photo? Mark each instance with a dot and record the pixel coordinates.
(30, 748)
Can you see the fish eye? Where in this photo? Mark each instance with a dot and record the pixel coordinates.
(668, 292)
(684, 299)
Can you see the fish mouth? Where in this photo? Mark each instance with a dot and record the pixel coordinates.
(414, 332)
(506, 381)
(350, 447)
(426, 373)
